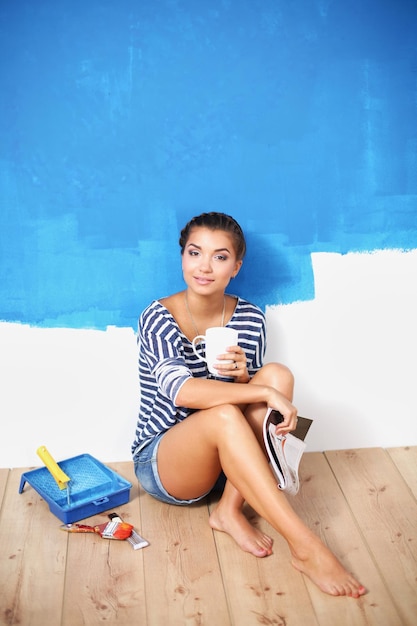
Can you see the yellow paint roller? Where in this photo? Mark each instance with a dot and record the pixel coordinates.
(59, 475)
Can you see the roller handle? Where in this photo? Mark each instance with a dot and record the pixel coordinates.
(61, 478)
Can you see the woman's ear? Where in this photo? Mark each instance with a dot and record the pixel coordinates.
(237, 268)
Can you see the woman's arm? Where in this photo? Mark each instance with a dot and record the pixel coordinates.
(202, 393)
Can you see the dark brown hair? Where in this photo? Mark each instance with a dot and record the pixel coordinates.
(216, 221)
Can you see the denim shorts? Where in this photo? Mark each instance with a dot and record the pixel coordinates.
(146, 470)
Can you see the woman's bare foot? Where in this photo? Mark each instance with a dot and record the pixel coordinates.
(235, 524)
(323, 568)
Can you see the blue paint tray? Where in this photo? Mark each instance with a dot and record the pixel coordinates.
(93, 488)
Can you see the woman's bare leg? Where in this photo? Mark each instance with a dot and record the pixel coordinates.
(190, 457)
(228, 516)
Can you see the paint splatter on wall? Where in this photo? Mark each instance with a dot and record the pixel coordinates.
(119, 121)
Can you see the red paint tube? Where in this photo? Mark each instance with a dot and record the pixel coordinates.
(136, 541)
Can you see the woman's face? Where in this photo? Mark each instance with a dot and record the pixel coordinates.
(209, 260)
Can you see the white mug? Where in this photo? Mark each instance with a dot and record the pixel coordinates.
(216, 340)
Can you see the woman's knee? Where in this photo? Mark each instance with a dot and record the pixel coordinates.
(277, 375)
(229, 414)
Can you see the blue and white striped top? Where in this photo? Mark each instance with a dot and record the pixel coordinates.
(167, 361)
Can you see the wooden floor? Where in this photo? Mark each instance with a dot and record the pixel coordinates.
(361, 502)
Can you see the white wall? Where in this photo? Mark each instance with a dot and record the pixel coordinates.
(353, 351)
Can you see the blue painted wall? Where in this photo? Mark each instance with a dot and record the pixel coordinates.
(121, 120)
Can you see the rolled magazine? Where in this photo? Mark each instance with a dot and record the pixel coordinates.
(285, 451)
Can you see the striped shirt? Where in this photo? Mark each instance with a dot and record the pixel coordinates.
(167, 361)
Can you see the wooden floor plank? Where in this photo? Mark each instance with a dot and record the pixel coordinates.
(386, 513)
(32, 558)
(104, 578)
(182, 574)
(322, 505)
(406, 461)
(263, 591)
(4, 475)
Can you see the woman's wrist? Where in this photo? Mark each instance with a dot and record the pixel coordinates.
(270, 392)
(244, 379)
